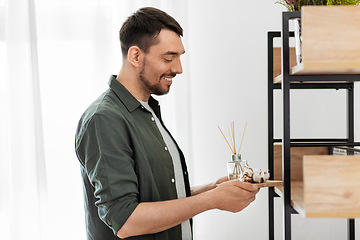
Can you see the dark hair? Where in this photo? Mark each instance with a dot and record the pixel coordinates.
(142, 28)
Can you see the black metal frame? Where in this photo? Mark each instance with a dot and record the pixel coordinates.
(300, 82)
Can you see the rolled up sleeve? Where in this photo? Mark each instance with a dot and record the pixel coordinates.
(104, 149)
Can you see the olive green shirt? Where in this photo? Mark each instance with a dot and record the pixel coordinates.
(124, 161)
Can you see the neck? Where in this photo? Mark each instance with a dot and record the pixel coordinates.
(128, 77)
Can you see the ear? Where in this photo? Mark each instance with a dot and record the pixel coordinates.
(134, 54)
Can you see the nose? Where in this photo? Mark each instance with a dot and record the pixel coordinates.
(177, 67)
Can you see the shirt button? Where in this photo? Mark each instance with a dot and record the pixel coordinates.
(152, 119)
(166, 149)
(172, 180)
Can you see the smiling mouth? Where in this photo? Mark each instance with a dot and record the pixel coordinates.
(168, 79)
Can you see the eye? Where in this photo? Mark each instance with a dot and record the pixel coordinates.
(168, 59)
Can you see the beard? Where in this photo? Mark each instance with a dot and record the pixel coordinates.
(156, 87)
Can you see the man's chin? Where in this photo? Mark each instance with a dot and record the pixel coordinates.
(162, 92)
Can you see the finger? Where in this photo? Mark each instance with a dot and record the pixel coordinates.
(222, 179)
(250, 200)
(247, 186)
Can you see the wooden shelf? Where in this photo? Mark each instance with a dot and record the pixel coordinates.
(330, 48)
(325, 49)
(277, 62)
(327, 194)
(326, 68)
(300, 69)
(308, 69)
(297, 190)
(297, 196)
(331, 186)
(278, 79)
(296, 160)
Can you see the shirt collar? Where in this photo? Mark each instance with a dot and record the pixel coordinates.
(129, 101)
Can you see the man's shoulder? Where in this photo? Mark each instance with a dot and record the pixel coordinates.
(106, 109)
(107, 103)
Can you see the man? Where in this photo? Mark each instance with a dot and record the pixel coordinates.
(134, 174)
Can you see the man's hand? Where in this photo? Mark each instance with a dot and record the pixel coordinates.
(221, 180)
(233, 196)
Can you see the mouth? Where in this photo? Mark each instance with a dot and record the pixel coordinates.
(168, 79)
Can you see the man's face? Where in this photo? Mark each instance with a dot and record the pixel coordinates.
(161, 64)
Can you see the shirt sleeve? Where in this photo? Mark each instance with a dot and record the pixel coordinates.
(104, 147)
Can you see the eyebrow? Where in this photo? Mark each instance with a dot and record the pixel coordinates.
(173, 53)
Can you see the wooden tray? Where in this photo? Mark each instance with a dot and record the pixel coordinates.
(269, 183)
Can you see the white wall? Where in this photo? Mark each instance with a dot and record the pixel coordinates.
(227, 48)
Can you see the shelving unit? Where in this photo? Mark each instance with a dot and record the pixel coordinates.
(292, 190)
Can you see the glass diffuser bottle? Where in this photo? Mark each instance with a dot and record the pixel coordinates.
(234, 168)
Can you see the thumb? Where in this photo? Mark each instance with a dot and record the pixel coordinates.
(247, 186)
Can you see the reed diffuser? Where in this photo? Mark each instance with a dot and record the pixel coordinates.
(235, 168)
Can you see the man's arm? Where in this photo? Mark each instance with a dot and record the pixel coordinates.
(148, 218)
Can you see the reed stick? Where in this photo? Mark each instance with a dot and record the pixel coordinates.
(226, 140)
(233, 136)
(242, 137)
(231, 132)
